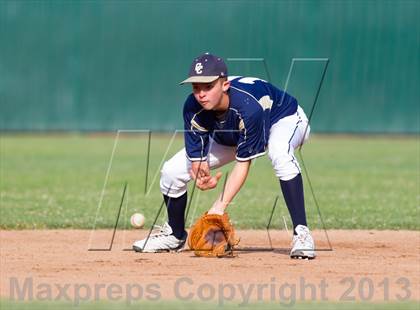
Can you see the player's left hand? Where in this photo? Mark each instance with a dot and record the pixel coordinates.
(213, 235)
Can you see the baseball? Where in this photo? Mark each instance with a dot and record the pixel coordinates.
(137, 220)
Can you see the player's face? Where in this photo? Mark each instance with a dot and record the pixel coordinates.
(209, 95)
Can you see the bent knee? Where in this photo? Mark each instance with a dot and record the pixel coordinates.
(285, 166)
(173, 182)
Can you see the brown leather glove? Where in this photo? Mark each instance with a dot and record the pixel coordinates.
(212, 236)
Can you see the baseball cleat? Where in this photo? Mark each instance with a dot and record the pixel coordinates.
(303, 246)
(162, 241)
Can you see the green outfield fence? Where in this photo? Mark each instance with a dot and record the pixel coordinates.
(107, 65)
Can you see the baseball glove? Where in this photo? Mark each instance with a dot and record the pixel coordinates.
(212, 236)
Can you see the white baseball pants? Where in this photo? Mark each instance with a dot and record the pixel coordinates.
(285, 136)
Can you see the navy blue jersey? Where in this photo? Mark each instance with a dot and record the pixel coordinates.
(254, 106)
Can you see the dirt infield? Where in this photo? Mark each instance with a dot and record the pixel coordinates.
(363, 266)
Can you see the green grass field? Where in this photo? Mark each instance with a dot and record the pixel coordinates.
(56, 181)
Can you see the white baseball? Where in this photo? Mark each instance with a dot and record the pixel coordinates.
(137, 220)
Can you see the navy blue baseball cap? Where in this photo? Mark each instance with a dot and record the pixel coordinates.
(206, 68)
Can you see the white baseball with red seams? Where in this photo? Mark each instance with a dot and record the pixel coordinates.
(137, 220)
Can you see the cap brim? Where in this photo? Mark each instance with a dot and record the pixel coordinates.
(200, 79)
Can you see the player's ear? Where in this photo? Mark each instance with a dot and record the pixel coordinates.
(225, 85)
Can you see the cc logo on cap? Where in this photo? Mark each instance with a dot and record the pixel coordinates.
(198, 68)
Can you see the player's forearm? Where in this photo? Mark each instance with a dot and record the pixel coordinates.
(233, 184)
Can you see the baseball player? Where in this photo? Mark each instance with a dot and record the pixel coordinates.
(233, 119)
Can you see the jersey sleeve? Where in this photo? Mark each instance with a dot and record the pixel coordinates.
(251, 142)
(197, 130)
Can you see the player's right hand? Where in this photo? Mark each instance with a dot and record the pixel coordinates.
(208, 182)
(200, 169)
(200, 172)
